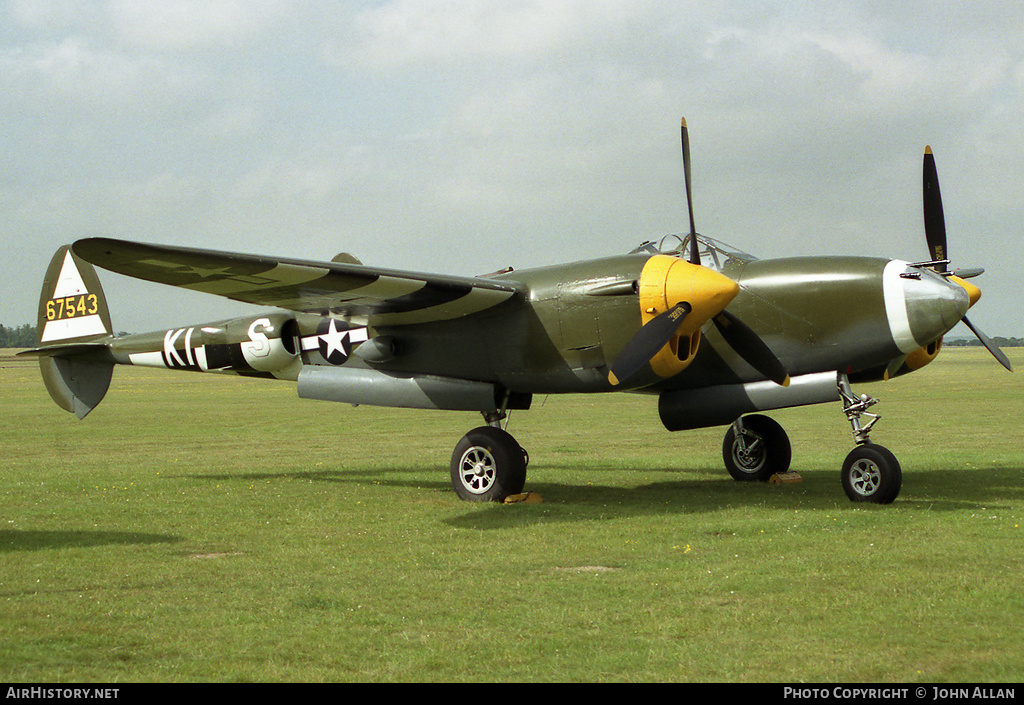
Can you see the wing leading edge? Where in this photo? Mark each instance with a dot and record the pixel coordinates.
(382, 296)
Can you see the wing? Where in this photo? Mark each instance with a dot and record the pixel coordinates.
(384, 297)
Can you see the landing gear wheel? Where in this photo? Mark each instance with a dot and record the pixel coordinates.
(872, 474)
(758, 451)
(488, 465)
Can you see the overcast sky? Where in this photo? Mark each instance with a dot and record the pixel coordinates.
(465, 136)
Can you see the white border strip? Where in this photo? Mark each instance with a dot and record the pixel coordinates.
(896, 306)
(70, 328)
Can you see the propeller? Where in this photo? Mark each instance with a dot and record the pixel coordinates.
(691, 294)
(935, 235)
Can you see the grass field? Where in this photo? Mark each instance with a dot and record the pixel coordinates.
(205, 528)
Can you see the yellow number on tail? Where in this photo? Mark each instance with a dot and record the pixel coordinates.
(72, 307)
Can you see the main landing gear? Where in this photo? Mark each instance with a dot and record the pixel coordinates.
(488, 464)
(756, 447)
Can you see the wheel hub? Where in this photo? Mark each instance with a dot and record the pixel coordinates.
(478, 470)
(748, 452)
(865, 477)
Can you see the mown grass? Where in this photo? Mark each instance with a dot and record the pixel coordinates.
(204, 528)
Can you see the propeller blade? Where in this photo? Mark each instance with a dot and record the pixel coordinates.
(989, 345)
(694, 248)
(643, 346)
(934, 220)
(751, 348)
(935, 234)
(969, 273)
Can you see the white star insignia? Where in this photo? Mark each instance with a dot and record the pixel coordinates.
(334, 339)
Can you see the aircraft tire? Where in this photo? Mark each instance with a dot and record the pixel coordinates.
(771, 456)
(488, 465)
(871, 473)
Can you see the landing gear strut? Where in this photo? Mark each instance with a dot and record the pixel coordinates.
(870, 472)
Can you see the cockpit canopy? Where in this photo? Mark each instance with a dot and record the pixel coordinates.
(713, 254)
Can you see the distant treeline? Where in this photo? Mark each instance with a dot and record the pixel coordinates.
(975, 343)
(20, 337)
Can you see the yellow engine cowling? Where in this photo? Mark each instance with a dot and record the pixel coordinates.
(666, 281)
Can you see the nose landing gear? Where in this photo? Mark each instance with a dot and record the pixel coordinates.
(871, 473)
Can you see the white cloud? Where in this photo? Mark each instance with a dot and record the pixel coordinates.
(76, 75)
(429, 32)
(189, 24)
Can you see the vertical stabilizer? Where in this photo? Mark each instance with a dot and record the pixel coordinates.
(72, 306)
(73, 327)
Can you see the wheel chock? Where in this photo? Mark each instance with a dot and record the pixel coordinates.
(785, 478)
(525, 498)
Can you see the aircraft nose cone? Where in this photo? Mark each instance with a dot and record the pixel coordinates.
(922, 306)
